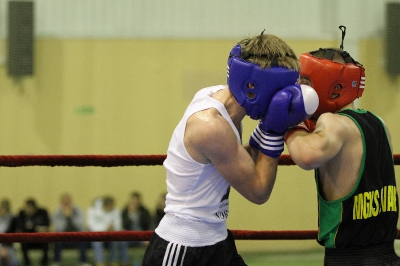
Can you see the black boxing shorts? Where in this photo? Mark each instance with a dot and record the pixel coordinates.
(161, 252)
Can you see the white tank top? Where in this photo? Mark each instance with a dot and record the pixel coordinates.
(197, 202)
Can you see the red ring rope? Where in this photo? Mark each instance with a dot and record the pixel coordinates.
(127, 160)
(105, 160)
(146, 235)
(143, 236)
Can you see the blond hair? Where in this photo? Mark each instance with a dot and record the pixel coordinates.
(268, 50)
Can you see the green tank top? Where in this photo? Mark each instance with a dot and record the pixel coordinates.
(368, 215)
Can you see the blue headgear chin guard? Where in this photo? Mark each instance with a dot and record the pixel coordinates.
(252, 86)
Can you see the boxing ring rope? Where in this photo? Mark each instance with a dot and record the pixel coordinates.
(144, 236)
(105, 160)
(127, 160)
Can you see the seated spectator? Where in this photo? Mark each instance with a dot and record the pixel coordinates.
(8, 224)
(159, 213)
(134, 217)
(104, 216)
(68, 218)
(32, 219)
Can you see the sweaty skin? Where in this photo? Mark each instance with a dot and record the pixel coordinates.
(335, 148)
(209, 138)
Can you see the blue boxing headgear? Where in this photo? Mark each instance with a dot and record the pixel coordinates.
(265, 82)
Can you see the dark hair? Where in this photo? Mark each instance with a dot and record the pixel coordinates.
(5, 204)
(136, 194)
(31, 202)
(334, 54)
(108, 200)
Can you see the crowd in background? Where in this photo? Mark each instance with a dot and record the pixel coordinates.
(102, 215)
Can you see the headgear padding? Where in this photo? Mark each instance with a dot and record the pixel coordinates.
(265, 82)
(325, 74)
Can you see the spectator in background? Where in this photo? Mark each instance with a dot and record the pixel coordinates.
(68, 218)
(104, 216)
(8, 224)
(159, 212)
(32, 219)
(136, 217)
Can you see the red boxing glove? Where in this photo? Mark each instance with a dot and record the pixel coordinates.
(310, 124)
(307, 125)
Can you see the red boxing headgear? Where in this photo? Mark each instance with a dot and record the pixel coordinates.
(326, 74)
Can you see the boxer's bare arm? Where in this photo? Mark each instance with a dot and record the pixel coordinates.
(210, 139)
(311, 150)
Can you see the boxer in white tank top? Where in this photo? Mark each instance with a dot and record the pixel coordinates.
(205, 157)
